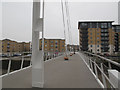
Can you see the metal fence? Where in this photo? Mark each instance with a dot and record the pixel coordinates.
(99, 67)
(15, 63)
(12, 64)
(51, 55)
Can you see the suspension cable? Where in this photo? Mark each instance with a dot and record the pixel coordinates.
(68, 22)
(64, 25)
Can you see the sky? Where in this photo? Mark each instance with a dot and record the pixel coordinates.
(17, 18)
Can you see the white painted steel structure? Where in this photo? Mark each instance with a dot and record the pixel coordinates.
(37, 55)
(103, 79)
(114, 77)
(119, 12)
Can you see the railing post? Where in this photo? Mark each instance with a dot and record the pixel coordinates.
(103, 78)
(9, 66)
(91, 64)
(30, 62)
(22, 62)
(96, 72)
(109, 64)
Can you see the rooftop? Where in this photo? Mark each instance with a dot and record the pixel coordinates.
(95, 21)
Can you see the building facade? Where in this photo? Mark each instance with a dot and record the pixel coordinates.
(53, 45)
(96, 36)
(9, 46)
(116, 28)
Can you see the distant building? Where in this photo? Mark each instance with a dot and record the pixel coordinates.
(53, 45)
(116, 28)
(96, 36)
(72, 47)
(9, 46)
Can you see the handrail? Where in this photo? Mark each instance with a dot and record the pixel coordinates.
(94, 67)
(106, 59)
(22, 59)
(9, 63)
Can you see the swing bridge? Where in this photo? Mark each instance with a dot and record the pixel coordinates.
(82, 70)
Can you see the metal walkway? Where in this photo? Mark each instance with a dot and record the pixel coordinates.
(58, 74)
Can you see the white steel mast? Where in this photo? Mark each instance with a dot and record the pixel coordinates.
(37, 55)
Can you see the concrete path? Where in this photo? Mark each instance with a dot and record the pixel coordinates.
(58, 74)
(69, 74)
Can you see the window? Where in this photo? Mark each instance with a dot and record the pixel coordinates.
(98, 50)
(91, 41)
(97, 45)
(51, 45)
(90, 25)
(97, 33)
(62, 45)
(90, 45)
(56, 46)
(45, 45)
(97, 41)
(51, 41)
(56, 42)
(45, 41)
(83, 25)
(103, 25)
(51, 49)
(97, 25)
(97, 37)
(90, 33)
(109, 25)
(90, 37)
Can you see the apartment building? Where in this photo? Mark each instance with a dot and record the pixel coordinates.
(96, 36)
(116, 28)
(9, 46)
(53, 45)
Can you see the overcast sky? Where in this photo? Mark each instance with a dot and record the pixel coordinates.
(17, 18)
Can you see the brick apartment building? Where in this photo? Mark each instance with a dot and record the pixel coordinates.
(9, 46)
(97, 36)
(116, 28)
(53, 45)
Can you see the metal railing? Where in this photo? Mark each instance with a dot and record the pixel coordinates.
(15, 63)
(99, 70)
(12, 64)
(51, 55)
(109, 61)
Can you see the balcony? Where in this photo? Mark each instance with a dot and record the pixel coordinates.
(104, 39)
(104, 35)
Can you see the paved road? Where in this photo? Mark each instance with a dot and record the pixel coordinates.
(58, 74)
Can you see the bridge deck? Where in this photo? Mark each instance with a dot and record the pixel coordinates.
(58, 74)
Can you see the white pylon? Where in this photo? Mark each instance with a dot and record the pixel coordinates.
(37, 55)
